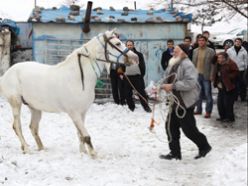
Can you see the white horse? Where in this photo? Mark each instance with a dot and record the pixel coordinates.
(66, 87)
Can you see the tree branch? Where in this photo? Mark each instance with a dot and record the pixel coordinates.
(233, 4)
(235, 8)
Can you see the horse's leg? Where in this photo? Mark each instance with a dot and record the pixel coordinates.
(34, 126)
(16, 109)
(81, 142)
(84, 137)
(79, 133)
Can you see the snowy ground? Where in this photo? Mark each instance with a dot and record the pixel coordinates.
(127, 151)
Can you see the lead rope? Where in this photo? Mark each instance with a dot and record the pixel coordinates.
(170, 99)
(135, 88)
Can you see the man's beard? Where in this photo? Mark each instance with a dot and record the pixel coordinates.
(174, 60)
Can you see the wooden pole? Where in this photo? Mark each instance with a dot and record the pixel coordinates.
(171, 5)
(86, 27)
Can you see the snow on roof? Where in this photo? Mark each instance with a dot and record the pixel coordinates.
(98, 15)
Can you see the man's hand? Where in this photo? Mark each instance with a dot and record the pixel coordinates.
(167, 87)
(120, 71)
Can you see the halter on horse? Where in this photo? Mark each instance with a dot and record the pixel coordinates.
(58, 88)
(106, 54)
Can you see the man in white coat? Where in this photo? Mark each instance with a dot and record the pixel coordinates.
(238, 54)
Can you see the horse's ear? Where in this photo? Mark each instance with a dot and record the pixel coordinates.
(114, 31)
(110, 33)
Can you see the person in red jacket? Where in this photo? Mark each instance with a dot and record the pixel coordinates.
(225, 78)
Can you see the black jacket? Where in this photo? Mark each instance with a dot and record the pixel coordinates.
(142, 64)
(165, 59)
(210, 44)
(245, 45)
(190, 52)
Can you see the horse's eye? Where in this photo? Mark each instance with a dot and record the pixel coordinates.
(118, 44)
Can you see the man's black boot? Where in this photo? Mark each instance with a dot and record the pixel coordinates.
(203, 153)
(148, 109)
(170, 156)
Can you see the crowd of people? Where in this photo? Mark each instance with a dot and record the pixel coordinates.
(226, 71)
(193, 69)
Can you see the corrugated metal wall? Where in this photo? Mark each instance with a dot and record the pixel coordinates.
(25, 34)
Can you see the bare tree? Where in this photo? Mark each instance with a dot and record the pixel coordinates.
(207, 12)
(232, 6)
(206, 16)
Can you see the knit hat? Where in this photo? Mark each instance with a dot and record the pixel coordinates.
(184, 48)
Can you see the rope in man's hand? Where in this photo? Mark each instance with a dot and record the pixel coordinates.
(170, 100)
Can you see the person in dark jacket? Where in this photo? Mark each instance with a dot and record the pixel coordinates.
(224, 79)
(117, 84)
(245, 45)
(187, 41)
(185, 87)
(134, 79)
(167, 54)
(195, 44)
(210, 44)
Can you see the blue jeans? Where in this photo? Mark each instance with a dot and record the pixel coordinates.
(206, 92)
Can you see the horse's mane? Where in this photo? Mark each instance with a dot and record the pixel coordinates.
(74, 55)
(71, 57)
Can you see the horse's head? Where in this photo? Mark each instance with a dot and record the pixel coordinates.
(115, 51)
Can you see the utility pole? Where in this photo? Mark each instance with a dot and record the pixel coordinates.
(35, 3)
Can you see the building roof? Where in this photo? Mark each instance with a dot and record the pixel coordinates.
(98, 15)
(10, 24)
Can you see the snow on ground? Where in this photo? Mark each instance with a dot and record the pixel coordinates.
(127, 151)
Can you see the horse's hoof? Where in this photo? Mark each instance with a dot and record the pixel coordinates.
(82, 153)
(82, 150)
(93, 155)
(40, 148)
(25, 150)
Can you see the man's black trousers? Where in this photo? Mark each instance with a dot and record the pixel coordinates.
(188, 125)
